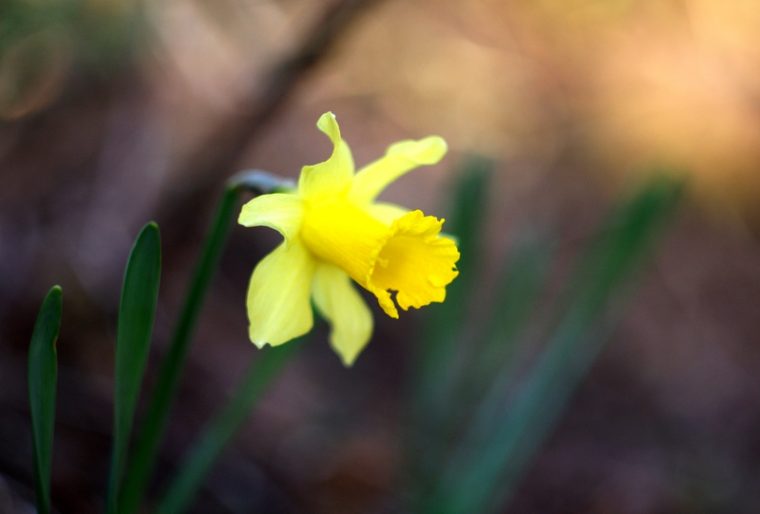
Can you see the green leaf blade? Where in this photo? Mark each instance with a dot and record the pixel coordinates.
(520, 283)
(157, 413)
(466, 220)
(438, 347)
(43, 375)
(439, 354)
(501, 442)
(137, 309)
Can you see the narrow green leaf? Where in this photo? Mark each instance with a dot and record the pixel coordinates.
(487, 356)
(154, 426)
(444, 322)
(518, 290)
(438, 352)
(501, 442)
(466, 221)
(223, 427)
(43, 374)
(137, 311)
(156, 418)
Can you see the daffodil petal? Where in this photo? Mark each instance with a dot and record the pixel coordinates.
(399, 159)
(334, 174)
(278, 296)
(281, 211)
(350, 318)
(386, 212)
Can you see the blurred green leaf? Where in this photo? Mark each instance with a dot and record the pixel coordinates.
(444, 321)
(137, 311)
(501, 441)
(519, 287)
(222, 428)
(43, 373)
(438, 351)
(466, 221)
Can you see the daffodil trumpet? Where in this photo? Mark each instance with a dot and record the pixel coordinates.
(335, 232)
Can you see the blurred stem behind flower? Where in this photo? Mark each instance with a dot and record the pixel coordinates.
(334, 231)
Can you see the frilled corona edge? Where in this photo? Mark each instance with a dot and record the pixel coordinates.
(334, 231)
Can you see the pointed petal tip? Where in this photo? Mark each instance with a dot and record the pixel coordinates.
(279, 211)
(436, 148)
(262, 342)
(258, 343)
(328, 124)
(348, 360)
(437, 142)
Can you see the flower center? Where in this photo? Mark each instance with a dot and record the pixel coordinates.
(416, 262)
(409, 257)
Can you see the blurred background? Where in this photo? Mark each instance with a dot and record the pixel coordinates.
(114, 112)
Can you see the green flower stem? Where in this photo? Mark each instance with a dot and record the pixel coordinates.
(154, 424)
(43, 373)
(222, 428)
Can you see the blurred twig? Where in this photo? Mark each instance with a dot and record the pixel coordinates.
(216, 156)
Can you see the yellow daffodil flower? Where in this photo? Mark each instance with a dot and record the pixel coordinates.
(334, 231)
